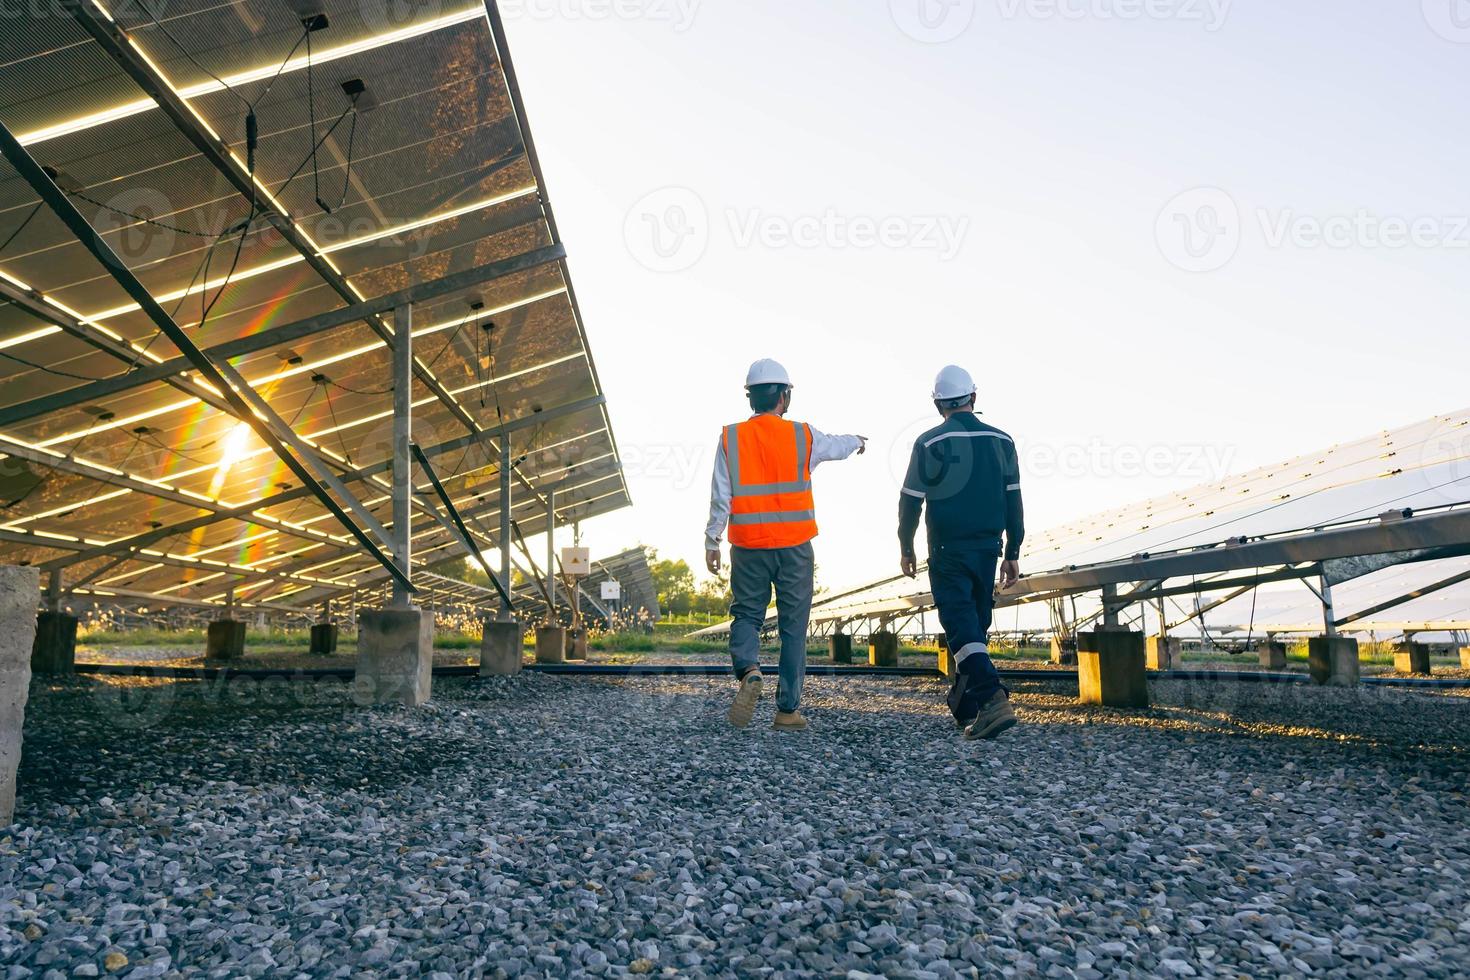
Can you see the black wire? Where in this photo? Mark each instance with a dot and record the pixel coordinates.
(138, 217)
(21, 227)
(337, 426)
(41, 367)
(351, 143)
(185, 52)
(316, 188)
(204, 310)
(306, 33)
(359, 391)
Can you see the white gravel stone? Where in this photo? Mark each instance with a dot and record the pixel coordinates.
(539, 826)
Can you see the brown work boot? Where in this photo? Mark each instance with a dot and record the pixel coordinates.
(994, 718)
(745, 699)
(789, 721)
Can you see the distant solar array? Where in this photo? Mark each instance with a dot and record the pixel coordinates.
(1383, 518)
(259, 168)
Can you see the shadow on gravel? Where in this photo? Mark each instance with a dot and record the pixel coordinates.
(88, 737)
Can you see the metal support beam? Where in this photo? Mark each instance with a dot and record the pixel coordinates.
(507, 610)
(1110, 607)
(1329, 617)
(464, 532)
(114, 42)
(1441, 534)
(402, 438)
(57, 201)
(251, 512)
(551, 550)
(1443, 583)
(99, 391)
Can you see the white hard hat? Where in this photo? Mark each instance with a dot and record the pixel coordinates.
(767, 372)
(953, 382)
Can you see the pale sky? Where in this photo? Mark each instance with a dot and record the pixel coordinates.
(1172, 238)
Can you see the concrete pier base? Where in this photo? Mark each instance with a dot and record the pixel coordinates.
(1272, 654)
(1063, 653)
(577, 645)
(225, 640)
(500, 649)
(883, 649)
(324, 639)
(947, 666)
(841, 646)
(1110, 669)
(20, 591)
(551, 645)
(55, 648)
(1411, 658)
(1163, 652)
(1465, 658)
(395, 656)
(1333, 660)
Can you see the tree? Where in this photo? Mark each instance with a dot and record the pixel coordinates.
(713, 597)
(674, 583)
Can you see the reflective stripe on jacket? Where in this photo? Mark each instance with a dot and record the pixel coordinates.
(771, 503)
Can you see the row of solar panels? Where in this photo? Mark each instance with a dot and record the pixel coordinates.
(301, 171)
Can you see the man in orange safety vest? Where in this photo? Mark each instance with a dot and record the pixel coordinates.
(762, 490)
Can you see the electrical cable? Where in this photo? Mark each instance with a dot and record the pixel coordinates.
(21, 227)
(49, 370)
(337, 426)
(185, 52)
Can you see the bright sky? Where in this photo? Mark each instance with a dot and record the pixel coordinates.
(1173, 238)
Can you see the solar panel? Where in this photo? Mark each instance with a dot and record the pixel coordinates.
(395, 155)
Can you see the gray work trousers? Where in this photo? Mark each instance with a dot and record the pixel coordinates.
(753, 571)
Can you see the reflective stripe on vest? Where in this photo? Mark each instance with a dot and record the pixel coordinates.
(770, 509)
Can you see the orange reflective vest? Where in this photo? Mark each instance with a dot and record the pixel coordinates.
(771, 504)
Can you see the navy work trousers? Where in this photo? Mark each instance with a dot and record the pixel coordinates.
(962, 579)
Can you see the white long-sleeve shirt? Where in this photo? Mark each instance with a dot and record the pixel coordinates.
(824, 448)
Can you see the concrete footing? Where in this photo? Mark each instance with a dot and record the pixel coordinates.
(883, 649)
(225, 640)
(395, 656)
(1333, 660)
(1272, 654)
(1411, 658)
(1110, 669)
(324, 639)
(1163, 652)
(55, 648)
(947, 666)
(551, 645)
(500, 649)
(20, 591)
(841, 646)
(577, 645)
(1465, 658)
(1064, 653)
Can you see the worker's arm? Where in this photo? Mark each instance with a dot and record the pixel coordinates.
(719, 509)
(1015, 520)
(910, 507)
(827, 448)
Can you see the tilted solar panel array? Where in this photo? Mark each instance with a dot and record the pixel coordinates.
(440, 181)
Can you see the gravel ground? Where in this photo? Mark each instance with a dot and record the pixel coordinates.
(566, 827)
